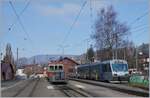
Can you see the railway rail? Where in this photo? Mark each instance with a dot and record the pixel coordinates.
(39, 87)
(122, 88)
(27, 89)
(70, 91)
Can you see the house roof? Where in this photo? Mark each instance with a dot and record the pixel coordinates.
(61, 61)
(70, 60)
(30, 65)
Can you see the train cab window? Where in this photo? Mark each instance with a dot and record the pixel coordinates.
(51, 67)
(56, 67)
(106, 68)
(60, 67)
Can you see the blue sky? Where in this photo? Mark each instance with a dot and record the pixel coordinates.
(48, 21)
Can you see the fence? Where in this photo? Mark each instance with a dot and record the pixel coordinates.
(139, 81)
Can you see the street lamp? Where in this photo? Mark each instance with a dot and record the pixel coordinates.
(140, 53)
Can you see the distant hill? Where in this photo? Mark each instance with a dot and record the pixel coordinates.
(41, 59)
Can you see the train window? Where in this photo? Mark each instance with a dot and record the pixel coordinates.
(106, 68)
(60, 67)
(119, 67)
(56, 67)
(51, 67)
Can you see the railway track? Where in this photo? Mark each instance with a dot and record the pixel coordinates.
(71, 91)
(124, 88)
(34, 87)
(27, 89)
(20, 90)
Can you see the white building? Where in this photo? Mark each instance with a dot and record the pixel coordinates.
(20, 74)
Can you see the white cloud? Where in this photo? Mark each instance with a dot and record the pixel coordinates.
(66, 9)
(65, 12)
(98, 4)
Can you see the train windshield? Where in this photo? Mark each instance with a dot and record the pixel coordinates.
(51, 68)
(119, 67)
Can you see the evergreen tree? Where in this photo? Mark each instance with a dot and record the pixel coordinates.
(8, 58)
(90, 54)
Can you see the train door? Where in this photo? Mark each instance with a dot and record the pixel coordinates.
(97, 71)
(94, 72)
(59, 73)
(107, 73)
(101, 76)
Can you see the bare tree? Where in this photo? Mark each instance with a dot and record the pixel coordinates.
(109, 32)
(28, 71)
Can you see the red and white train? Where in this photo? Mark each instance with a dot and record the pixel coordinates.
(55, 73)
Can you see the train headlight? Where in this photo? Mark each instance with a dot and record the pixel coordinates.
(115, 74)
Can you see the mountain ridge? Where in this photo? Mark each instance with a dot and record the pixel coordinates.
(41, 59)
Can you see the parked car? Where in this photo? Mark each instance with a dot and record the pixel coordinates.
(21, 77)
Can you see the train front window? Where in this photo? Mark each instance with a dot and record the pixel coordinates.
(51, 68)
(56, 67)
(119, 67)
(60, 67)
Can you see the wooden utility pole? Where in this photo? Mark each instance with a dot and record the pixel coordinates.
(136, 58)
(63, 48)
(17, 57)
(124, 53)
(116, 56)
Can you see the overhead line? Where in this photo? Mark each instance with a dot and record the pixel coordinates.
(20, 14)
(140, 17)
(91, 15)
(137, 19)
(65, 38)
(139, 34)
(140, 28)
(20, 22)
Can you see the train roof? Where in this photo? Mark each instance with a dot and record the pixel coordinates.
(108, 61)
(115, 60)
(84, 65)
